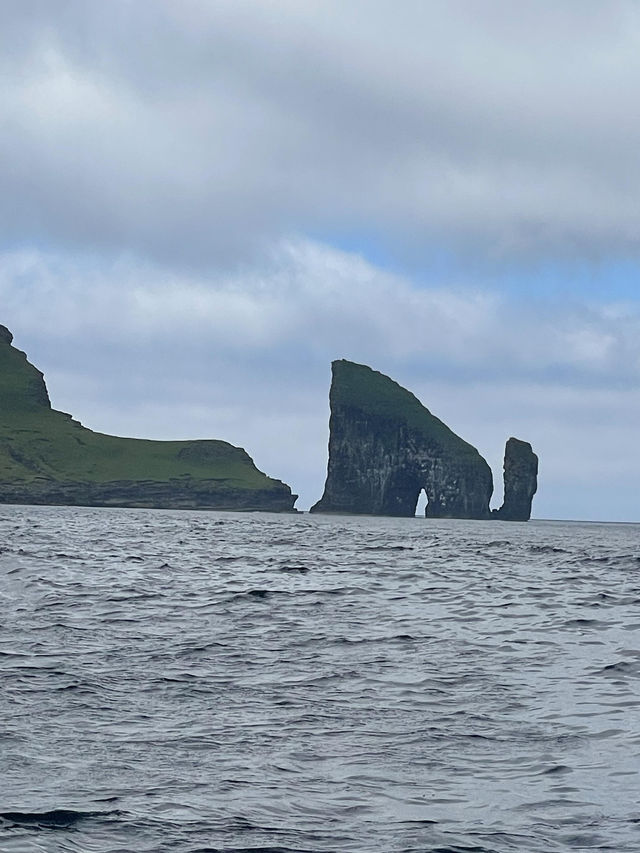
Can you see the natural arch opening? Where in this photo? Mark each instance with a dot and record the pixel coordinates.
(421, 505)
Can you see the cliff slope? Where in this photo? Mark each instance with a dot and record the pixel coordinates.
(46, 457)
(385, 447)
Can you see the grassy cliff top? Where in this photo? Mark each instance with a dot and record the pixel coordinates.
(359, 387)
(37, 441)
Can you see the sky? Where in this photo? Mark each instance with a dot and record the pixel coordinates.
(202, 204)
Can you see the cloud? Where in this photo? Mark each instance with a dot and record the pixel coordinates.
(199, 134)
(324, 301)
(134, 349)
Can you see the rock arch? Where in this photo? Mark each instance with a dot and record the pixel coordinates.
(385, 447)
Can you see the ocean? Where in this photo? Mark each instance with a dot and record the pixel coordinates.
(255, 683)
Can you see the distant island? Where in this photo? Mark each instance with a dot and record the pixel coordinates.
(47, 457)
(385, 447)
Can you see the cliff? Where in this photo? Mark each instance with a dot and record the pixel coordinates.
(385, 447)
(46, 457)
(520, 481)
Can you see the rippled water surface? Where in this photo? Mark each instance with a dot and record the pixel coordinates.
(224, 682)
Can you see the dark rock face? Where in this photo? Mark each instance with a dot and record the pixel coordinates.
(46, 457)
(385, 447)
(520, 481)
(193, 493)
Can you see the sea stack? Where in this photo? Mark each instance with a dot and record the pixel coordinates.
(385, 447)
(520, 481)
(47, 457)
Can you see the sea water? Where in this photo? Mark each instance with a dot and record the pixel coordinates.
(191, 681)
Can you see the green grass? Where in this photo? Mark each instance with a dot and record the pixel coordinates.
(358, 386)
(37, 441)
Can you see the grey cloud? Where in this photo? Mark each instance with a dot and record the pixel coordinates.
(323, 303)
(199, 132)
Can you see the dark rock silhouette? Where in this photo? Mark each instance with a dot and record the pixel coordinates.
(520, 481)
(385, 447)
(46, 457)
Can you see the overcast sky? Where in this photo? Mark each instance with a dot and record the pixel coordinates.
(203, 203)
